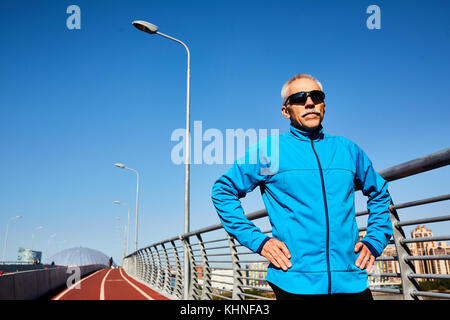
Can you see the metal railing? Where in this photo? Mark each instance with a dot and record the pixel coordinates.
(221, 268)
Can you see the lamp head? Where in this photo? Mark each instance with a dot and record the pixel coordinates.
(145, 26)
(117, 202)
(120, 165)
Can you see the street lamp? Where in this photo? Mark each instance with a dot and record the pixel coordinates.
(127, 235)
(152, 29)
(121, 165)
(6, 235)
(32, 235)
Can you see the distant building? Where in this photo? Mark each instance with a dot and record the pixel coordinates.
(257, 272)
(79, 256)
(429, 249)
(382, 267)
(28, 255)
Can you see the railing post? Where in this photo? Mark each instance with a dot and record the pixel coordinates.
(409, 285)
(178, 286)
(206, 275)
(136, 264)
(139, 257)
(148, 265)
(159, 277)
(144, 265)
(154, 273)
(187, 279)
(194, 276)
(237, 273)
(166, 286)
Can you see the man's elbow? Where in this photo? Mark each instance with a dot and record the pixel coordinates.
(216, 190)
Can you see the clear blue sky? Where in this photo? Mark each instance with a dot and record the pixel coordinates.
(74, 102)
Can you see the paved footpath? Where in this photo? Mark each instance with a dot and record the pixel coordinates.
(109, 284)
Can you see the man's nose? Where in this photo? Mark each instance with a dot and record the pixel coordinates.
(309, 103)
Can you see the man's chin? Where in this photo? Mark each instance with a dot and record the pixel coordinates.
(311, 125)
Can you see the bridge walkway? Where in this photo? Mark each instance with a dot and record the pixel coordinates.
(109, 284)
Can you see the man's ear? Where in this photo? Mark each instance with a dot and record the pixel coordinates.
(285, 112)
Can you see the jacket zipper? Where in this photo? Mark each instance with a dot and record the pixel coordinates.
(326, 215)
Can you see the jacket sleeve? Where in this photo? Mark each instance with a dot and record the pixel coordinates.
(240, 179)
(372, 185)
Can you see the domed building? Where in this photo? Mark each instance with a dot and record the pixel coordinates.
(78, 256)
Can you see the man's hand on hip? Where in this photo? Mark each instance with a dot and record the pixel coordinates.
(365, 258)
(277, 253)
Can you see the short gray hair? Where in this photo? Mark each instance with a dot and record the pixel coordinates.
(296, 77)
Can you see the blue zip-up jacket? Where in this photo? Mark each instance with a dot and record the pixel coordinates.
(307, 181)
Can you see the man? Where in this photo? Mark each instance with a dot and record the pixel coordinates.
(309, 197)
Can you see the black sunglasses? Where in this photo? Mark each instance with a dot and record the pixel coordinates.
(317, 96)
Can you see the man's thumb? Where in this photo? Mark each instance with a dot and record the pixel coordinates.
(358, 246)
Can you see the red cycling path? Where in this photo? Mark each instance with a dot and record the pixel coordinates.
(109, 284)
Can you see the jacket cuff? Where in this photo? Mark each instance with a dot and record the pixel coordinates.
(371, 248)
(258, 251)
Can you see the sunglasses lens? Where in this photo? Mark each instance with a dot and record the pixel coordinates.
(317, 96)
(298, 98)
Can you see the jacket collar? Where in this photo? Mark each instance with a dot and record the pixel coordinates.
(307, 135)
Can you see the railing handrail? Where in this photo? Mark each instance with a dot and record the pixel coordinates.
(405, 169)
(432, 161)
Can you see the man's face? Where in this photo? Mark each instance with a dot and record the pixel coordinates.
(307, 115)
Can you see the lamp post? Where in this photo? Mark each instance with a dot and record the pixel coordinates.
(118, 229)
(32, 235)
(127, 232)
(152, 29)
(48, 247)
(6, 235)
(120, 165)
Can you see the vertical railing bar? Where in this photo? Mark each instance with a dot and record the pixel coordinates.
(150, 266)
(167, 287)
(409, 285)
(160, 270)
(178, 277)
(189, 278)
(137, 264)
(154, 273)
(237, 274)
(140, 269)
(206, 276)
